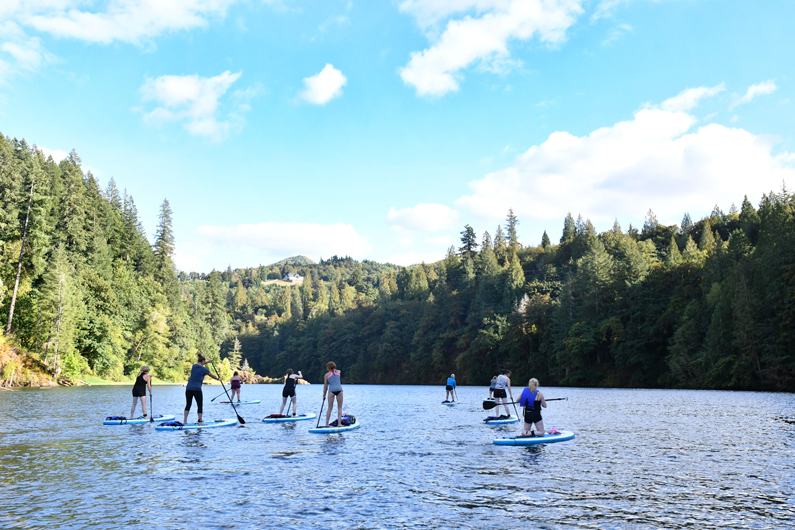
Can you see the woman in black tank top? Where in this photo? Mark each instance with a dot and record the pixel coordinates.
(143, 381)
(290, 380)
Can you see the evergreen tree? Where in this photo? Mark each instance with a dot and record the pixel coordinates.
(469, 242)
(513, 239)
(545, 242)
(673, 257)
(569, 229)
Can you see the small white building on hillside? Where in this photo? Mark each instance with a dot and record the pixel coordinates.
(293, 278)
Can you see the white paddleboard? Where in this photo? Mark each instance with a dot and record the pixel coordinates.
(300, 417)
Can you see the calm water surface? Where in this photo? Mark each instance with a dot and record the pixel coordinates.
(641, 459)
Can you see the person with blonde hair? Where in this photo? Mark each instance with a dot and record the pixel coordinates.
(332, 384)
(450, 387)
(532, 400)
(142, 381)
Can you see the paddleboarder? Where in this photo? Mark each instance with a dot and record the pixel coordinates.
(450, 389)
(492, 386)
(143, 381)
(290, 380)
(234, 384)
(332, 384)
(193, 390)
(502, 385)
(532, 400)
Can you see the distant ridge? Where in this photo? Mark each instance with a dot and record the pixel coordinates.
(294, 260)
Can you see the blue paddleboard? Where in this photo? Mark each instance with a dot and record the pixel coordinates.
(511, 419)
(331, 430)
(534, 440)
(207, 425)
(238, 403)
(134, 421)
(300, 417)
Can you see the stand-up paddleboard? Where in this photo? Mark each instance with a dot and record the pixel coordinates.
(331, 430)
(510, 419)
(121, 420)
(533, 440)
(207, 425)
(300, 417)
(238, 403)
(451, 402)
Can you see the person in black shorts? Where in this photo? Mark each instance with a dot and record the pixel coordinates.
(532, 400)
(142, 381)
(288, 391)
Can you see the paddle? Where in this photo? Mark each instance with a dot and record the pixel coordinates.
(488, 405)
(216, 397)
(151, 408)
(322, 404)
(239, 419)
(455, 395)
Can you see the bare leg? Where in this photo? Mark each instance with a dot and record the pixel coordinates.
(540, 428)
(143, 405)
(527, 428)
(132, 410)
(185, 418)
(200, 419)
(330, 406)
(339, 410)
(284, 402)
(295, 407)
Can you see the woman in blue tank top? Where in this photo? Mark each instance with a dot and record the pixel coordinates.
(532, 400)
(333, 385)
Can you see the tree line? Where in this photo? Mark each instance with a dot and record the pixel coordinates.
(706, 304)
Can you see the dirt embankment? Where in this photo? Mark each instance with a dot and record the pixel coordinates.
(18, 368)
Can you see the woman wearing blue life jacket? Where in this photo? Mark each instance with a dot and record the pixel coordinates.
(193, 390)
(450, 389)
(332, 384)
(502, 388)
(532, 400)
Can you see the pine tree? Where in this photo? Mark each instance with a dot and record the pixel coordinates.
(569, 229)
(500, 246)
(235, 355)
(334, 303)
(673, 257)
(513, 238)
(469, 242)
(545, 242)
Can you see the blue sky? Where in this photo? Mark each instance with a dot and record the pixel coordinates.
(378, 129)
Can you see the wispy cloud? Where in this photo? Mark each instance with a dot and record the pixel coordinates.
(761, 89)
(321, 88)
(617, 33)
(191, 99)
(481, 39)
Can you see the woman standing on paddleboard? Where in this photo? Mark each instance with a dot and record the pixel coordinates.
(142, 381)
(532, 400)
(502, 384)
(288, 391)
(193, 390)
(234, 384)
(333, 385)
(450, 389)
(492, 386)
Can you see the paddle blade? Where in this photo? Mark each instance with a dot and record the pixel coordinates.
(241, 420)
(488, 405)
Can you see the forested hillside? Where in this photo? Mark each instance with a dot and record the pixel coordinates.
(708, 304)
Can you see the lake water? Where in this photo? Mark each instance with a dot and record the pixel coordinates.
(640, 459)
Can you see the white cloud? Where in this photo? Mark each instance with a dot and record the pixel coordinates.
(659, 159)
(689, 98)
(424, 218)
(616, 33)
(414, 258)
(20, 53)
(323, 87)
(268, 242)
(334, 20)
(192, 99)
(121, 20)
(482, 38)
(56, 154)
(762, 89)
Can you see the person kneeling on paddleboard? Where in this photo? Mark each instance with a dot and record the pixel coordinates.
(234, 384)
(288, 391)
(503, 382)
(450, 389)
(532, 400)
(333, 385)
(193, 390)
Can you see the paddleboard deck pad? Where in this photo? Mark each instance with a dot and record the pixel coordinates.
(178, 426)
(238, 403)
(510, 419)
(121, 420)
(331, 430)
(534, 440)
(300, 417)
(450, 402)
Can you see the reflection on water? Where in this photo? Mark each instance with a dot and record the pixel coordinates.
(641, 459)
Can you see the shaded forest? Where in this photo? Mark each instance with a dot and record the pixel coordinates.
(705, 304)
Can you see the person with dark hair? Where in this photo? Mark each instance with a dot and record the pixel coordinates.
(502, 384)
(193, 390)
(333, 384)
(290, 380)
(234, 384)
(142, 381)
